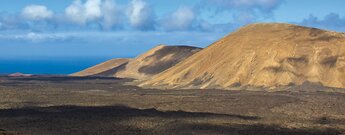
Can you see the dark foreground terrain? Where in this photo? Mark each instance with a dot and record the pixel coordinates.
(80, 106)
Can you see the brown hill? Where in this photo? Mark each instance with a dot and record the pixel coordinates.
(101, 68)
(19, 75)
(262, 55)
(146, 65)
(155, 61)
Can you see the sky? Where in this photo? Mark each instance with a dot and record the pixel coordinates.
(51, 29)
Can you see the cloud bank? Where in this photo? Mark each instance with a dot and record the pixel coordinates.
(139, 15)
(36, 12)
(181, 19)
(135, 15)
(115, 27)
(332, 21)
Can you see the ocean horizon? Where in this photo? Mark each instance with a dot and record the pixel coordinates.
(48, 66)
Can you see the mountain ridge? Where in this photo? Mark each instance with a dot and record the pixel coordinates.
(262, 55)
(143, 66)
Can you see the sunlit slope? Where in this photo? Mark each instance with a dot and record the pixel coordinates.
(100, 68)
(144, 66)
(155, 61)
(262, 55)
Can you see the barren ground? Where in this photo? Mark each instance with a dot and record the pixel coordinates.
(63, 105)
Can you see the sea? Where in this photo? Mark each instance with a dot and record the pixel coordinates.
(48, 66)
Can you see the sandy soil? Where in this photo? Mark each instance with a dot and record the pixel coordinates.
(71, 105)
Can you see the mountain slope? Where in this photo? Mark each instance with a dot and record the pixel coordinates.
(155, 61)
(262, 55)
(103, 67)
(146, 65)
(18, 74)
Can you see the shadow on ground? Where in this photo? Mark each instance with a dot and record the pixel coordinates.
(125, 120)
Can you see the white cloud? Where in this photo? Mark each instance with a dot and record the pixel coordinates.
(242, 11)
(81, 13)
(244, 18)
(332, 21)
(262, 5)
(265, 4)
(75, 12)
(93, 9)
(112, 14)
(35, 37)
(181, 19)
(41, 37)
(140, 15)
(36, 12)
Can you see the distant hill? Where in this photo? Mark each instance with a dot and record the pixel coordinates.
(19, 75)
(146, 65)
(265, 55)
(103, 67)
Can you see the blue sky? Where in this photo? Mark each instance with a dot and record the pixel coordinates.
(126, 28)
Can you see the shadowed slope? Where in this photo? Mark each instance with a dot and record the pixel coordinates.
(105, 66)
(262, 55)
(155, 61)
(146, 65)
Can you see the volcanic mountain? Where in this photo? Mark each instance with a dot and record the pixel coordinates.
(262, 55)
(18, 74)
(99, 69)
(146, 65)
(155, 61)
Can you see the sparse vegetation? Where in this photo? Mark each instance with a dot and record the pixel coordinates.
(72, 105)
